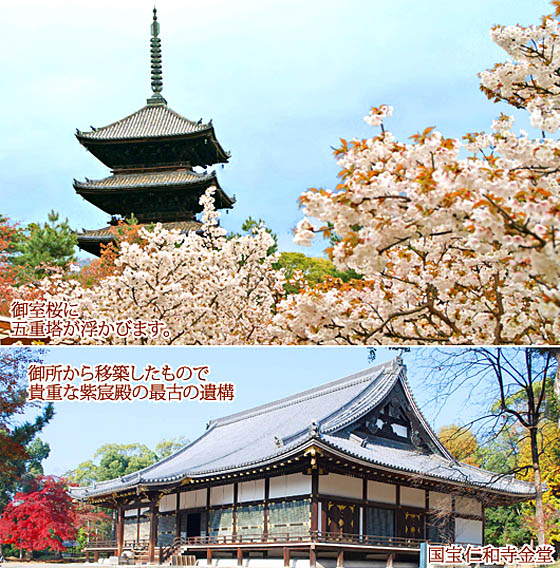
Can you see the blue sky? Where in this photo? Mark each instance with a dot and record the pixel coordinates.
(260, 374)
(282, 80)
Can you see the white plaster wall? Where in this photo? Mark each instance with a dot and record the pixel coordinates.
(340, 485)
(222, 495)
(468, 506)
(413, 497)
(144, 527)
(440, 501)
(287, 485)
(168, 503)
(131, 513)
(381, 492)
(250, 491)
(130, 529)
(400, 430)
(468, 531)
(193, 499)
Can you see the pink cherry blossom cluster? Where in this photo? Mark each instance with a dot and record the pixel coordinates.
(206, 288)
(452, 249)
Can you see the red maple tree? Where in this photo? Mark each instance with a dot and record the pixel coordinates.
(40, 519)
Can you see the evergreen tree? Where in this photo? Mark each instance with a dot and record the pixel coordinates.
(21, 451)
(41, 245)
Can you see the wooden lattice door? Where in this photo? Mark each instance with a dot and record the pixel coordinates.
(412, 524)
(341, 518)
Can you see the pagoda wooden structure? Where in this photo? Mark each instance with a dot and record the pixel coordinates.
(349, 471)
(152, 154)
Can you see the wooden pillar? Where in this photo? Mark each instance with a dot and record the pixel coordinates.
(266, 498)
(239, 556)
(312, 557)
(286, 554)
(483, 524)
(96, 556)
(138, 524)
(389, 563)
(398, 515)
(153, 531)
(363, 528)
(178, 516)
(426, 516)
(209, 556)
(207, 512)
(120, 530)
(314, 500)
(235, 497)
(452, 527)
(87, 556)
(340, 558)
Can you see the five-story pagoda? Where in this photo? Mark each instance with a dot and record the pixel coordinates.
(151, 153)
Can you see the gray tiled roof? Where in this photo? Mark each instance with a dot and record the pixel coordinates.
(106, 232)
(395, 456)
(152, 179)
(148, 122)
(272, 431)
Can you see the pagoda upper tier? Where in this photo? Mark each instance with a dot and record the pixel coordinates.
(154, 136)
(152, 153)
(152, 197)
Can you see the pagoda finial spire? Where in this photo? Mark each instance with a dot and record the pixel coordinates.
(155, 51)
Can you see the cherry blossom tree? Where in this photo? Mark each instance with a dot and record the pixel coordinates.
(206, 288)
(457, 240)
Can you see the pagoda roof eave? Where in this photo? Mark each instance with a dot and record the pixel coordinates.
(90, 240)
(160, 181)
(225, 201)
(150, 123)
(105, 234)
(86, 141)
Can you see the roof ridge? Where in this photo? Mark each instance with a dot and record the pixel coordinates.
(345, 382)
(151, 109)
(203, 176)
(380, 463)
(388, 381)
(184, 170)
(112, 123)
(187, 119)
(416, 409)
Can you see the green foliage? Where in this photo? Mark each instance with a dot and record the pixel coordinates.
(165, 448)
(37, 451)
(251, 226)
(501, 454)
(23, 469)
(39, 244)
(314, 269)
(506, 525)
(510, 451)
(21, 451)
(114, 460)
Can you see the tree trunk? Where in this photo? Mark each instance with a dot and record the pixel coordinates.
(557, 377)
(539, 510)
